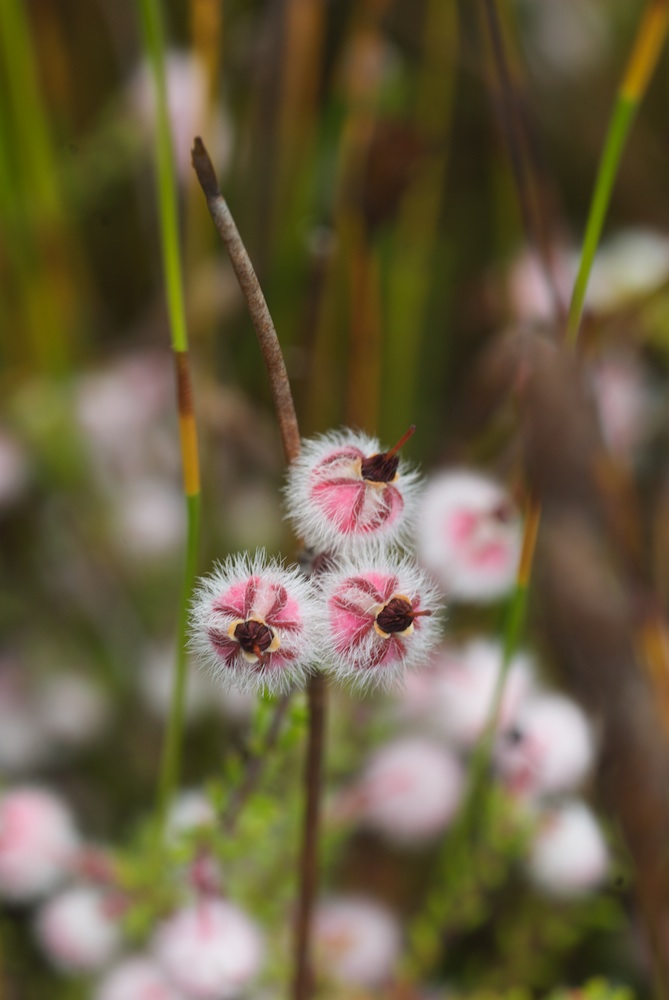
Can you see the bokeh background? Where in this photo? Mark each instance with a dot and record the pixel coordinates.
(366, 152)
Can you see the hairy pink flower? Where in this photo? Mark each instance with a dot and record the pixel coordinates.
(79, 929)
(408, 792)
(136, 978)
(257, 624)
(381, 619)
(469, 536)
(38, 843)
(549, 748)
(356, 940)
(344, 489)
(569, 855)
(211, 950)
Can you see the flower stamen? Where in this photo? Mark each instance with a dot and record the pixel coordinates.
(255, 637)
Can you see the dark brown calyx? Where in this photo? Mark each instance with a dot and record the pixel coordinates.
(395, 616)
(254, 637)
(382, 467)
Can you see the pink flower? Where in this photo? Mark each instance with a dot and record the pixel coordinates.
(38, 843)
(549, 747)
(343, 490)
(457, 697)
(380, 619)
(137, 978)
(257, 624)
(79, 929)
(569, 856)
(356, 940)
(211, 950)
(408, 792)
(469, 536)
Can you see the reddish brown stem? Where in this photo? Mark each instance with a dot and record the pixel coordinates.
(290, 436)
(303, 985)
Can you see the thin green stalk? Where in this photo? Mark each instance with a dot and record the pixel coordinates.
(171, 252)
(647, 47)
(167, 186)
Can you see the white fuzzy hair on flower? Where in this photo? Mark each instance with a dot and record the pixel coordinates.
(256, 624)
(381, 618)
(468, 534)
(344, 490)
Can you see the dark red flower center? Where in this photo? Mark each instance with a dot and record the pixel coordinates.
(382, 467)
(254, 637)
(396, 616)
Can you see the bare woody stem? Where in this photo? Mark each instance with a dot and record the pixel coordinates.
(290, 436)
(255, 300)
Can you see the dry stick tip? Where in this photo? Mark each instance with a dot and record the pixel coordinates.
(204, 168)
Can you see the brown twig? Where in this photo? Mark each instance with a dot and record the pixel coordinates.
(290, 436)
(303, 983)
(255, 300)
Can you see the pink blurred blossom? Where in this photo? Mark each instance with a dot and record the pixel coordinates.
(408, 792)
(38, 843)
(456, 697)
(79, 929)
(569, 856)
(548, 749)
(212, 950)
(137, 978)
(469, 535)
(357, 941)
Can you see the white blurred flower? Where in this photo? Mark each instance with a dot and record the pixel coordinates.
(564, 38)
(79, 930)
(628, 265)
(408, 792)
(569, 856)
(468, 535)
(188, 110)
(14, 469)
(190, 810)
(72, 709)
(548, 749)
(24, 742)
(122, 410)
(156, 677)
(530, 296)
(623, 400)
(462, 683)
(38, 843)
(211, 950)
(136, 978)
(356, 941)
(149, 519)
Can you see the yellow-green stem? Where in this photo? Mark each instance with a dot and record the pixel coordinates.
(171, 251)
(645, 53)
